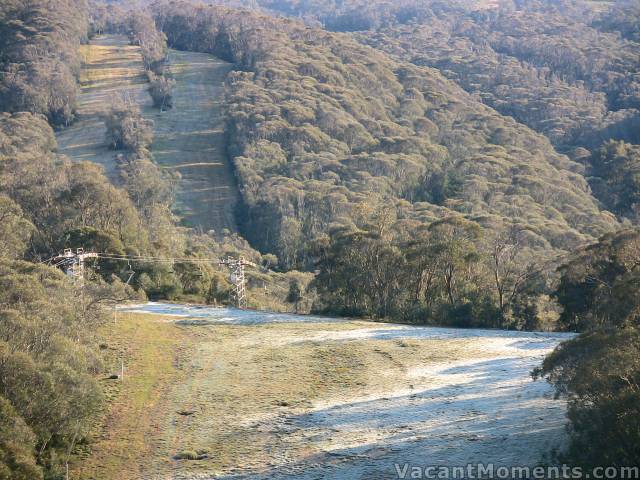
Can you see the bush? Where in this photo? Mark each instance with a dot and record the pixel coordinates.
(47, 367)
(191, 455)
(126, 127)
(40, 57)
(600, 372)
(160, 88)
(17, 446)
(153, 43)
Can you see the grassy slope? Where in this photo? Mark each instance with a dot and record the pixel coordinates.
(151, 351)
(189, 138)
(226, 375)
(241, 376)
(111, 67)
(232, 379)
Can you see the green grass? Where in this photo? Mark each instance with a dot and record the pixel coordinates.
(150, 349)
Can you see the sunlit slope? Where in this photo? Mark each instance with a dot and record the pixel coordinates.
(221, 393)
(189, 139)
(111, 67)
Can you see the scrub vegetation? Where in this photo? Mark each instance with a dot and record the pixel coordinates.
(458, 163)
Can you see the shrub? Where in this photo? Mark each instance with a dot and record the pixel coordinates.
(191, 455)
(127, 129)
(600, 372)
(160, 88)
(17, 446)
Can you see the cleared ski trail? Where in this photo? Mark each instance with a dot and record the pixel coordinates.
(290, 397)
(189, 139)
(111, 67)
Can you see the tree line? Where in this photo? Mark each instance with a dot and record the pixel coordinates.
(39, 58)
(50, 355)
(453, 271)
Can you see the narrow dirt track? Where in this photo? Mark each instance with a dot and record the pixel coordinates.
(189, 139)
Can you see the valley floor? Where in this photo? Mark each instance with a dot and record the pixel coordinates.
(259, 395)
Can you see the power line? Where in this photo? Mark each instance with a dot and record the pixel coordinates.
(157, 259)
(73, 263)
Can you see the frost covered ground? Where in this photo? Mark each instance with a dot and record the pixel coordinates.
(284, 396)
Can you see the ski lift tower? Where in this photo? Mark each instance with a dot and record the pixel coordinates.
(237, 265)
(73, 262)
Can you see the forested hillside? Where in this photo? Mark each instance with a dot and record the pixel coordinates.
(39, 59)
(565, 69)
(456, 163)
(331, 135)
(358, 123)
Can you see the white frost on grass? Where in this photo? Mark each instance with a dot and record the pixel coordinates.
(467, 411)
(206, 315)
(484, 409)
(377, 331)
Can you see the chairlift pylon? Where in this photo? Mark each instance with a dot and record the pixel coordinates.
(129, 272)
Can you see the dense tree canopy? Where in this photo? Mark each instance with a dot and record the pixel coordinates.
(559, 67)
(616, 167)
(39, 57)
(320, 125)
(598, 286)
(48, 359)
(600, 369)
